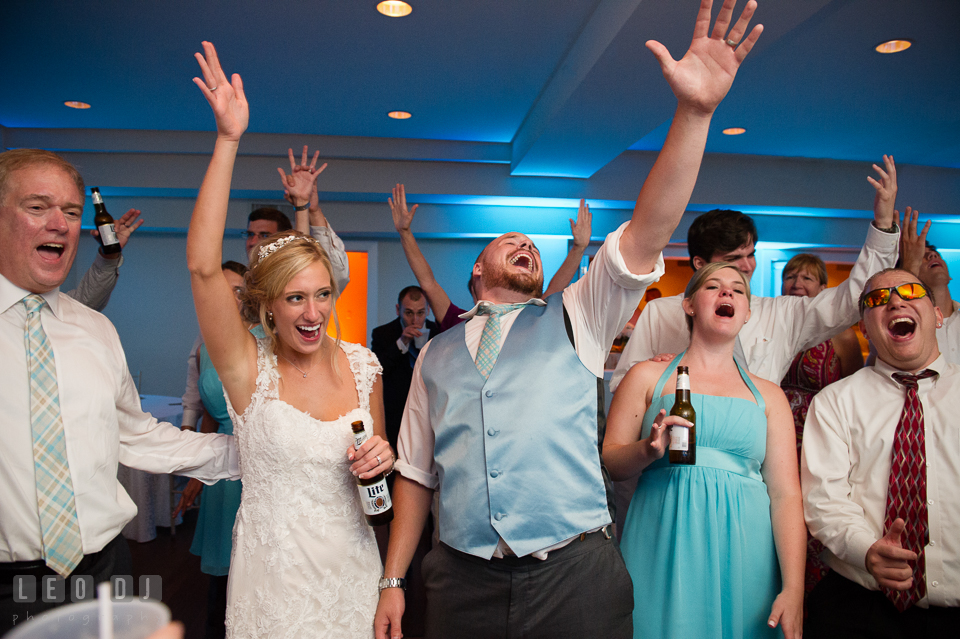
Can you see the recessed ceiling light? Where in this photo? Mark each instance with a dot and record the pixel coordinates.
(893, 46)
(399, 115)
(394, 8)
(734, 131)
(73, 104)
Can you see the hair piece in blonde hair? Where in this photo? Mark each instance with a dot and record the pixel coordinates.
(273, 270)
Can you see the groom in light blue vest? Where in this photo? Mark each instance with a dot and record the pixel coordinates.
(501, 418)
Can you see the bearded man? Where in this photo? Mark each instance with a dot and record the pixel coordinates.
(501, 418)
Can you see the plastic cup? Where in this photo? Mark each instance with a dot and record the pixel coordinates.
(422, 338)
(135, 619)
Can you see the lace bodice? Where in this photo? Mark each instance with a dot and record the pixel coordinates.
(305, 562)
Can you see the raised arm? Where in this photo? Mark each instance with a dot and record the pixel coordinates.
(812, 320)
(700, 80)
(402, 217)
(231, 347)
(913, 245)
(300, 189)
(581, 239)
(301, 186)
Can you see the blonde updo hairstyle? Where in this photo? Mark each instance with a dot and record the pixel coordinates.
(700, 278)
(269, 276)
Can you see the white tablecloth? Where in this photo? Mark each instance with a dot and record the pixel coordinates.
(151, 493)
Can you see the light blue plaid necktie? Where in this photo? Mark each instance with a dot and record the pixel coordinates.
(62, 547)
(489, 347)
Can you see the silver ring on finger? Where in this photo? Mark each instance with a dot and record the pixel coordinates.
(215, 88)
(732, 43)
(378, 460)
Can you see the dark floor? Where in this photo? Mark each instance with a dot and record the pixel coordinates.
(184, 586)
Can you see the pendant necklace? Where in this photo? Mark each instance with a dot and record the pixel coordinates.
(302, 372)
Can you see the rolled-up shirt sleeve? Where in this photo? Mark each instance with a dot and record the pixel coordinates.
(416, 441)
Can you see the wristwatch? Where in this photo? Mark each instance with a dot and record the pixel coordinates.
(302, 207)
(392, 582)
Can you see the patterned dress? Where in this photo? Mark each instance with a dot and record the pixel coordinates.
(305, 563)
(809, 373)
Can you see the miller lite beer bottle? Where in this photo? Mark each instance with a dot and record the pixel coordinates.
(374, 494)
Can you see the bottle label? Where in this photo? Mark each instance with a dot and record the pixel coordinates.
(679, 438)
(359, 438)
(683, 382)
(108, 234)
(375, 498)
(97, 198)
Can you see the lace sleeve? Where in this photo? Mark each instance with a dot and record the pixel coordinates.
(365, 368)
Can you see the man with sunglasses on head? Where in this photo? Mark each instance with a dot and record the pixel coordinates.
(880, 470)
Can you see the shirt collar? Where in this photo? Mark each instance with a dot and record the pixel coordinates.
(535, 301)
(939, 365)
(11, 294)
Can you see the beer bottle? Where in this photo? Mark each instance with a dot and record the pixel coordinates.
(104, 223)
(683, 440)
(374, 494)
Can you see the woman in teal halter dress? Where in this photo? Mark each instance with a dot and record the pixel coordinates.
(706, 544)
(213, 536)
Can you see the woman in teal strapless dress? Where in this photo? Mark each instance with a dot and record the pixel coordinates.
(706, 545)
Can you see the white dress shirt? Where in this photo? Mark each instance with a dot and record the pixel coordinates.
(845, 470)
(102, 422)
(599, 304)
(97, 283)
(779, 327)
(948, 336)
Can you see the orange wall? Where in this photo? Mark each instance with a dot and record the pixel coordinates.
(352, 305)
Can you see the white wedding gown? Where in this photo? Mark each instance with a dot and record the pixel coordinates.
(304, 563)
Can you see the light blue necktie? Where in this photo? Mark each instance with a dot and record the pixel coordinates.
(62, 546)
(489, 347)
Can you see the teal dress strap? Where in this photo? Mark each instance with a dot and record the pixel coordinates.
(711, 457)
(753, 389)
(658, 389)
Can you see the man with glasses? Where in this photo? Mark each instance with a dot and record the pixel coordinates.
(880, 467)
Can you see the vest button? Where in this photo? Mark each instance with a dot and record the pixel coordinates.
(494, 473)
(492, 432)
(499, 516)
(489, 393)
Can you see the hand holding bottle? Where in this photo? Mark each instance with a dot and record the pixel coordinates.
(659, 439)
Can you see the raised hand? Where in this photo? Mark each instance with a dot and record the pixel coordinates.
(913, 245)
(300, 187)
(886, 198)
(701, 79)
(887, 560)
(582, 228)
(226, 98)
(402, 217)
(124, 227)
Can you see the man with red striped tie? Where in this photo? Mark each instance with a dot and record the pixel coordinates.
(880, 470)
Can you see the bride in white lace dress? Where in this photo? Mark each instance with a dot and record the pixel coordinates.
(305, 563)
